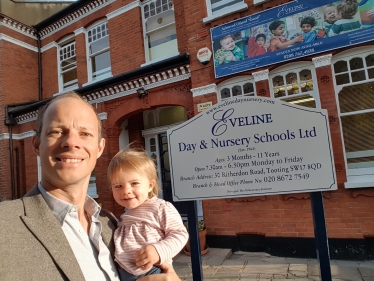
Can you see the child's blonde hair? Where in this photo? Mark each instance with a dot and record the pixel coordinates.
(347, 8)
(135, 160)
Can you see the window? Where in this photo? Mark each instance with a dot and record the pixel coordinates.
(237, 87)
(220, 8)
(295, 83)
(164, 116)
(217, 6)
(159, 28)
(354, 86)
(67, 65)
(99, 66)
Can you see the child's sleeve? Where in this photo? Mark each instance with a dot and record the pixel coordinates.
(273, 44)
(335, 29)
(238, 53)
(252, 47)
(176, 235)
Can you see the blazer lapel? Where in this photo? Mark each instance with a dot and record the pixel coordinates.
(41, 222)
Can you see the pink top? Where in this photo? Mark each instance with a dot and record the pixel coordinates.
(155, 222)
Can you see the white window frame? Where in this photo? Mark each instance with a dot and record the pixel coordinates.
(237, 81)
(358, 177)
(296, 67)
(238, 7)
(60, 72)
(145, 35)
(89, 60)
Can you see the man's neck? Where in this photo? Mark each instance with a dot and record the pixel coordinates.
(73, 194)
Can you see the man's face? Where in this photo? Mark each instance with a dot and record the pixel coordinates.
(306, 27)
(228, 44)
(68, 146)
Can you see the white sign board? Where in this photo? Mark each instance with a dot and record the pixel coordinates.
(251, 146)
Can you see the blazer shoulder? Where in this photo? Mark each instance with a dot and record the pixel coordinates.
(11, 208)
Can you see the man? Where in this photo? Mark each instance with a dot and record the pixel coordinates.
(56, 232)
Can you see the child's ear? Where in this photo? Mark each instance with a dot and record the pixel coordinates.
(152, 184)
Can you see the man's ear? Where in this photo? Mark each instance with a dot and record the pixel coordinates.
(101, 147)
(35, 145)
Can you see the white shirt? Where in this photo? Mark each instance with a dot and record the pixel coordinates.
(92, 254)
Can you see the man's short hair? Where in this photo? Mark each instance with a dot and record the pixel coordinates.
(72, 94)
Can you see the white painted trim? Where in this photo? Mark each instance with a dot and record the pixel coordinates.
(17, 42)
(238, 8)
(29, 134)
(322, 61)
(23, 29)
(258, 2)
(79, 31)
(358, 184)
(106, 96)
(49, 46)
(261, 75)
(72, 18)
(124, 89)
(123, 9)
(159, 130)
(103, 116)
(208, 89)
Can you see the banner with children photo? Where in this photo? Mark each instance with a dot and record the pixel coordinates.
(290, 31)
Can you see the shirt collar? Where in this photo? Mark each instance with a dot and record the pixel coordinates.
(61, 208)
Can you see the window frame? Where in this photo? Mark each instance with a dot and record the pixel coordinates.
(146, 34)
(296, 67)
(90, 56)
(223, 12)
(356, 177)
(62, 44)
(237, 81)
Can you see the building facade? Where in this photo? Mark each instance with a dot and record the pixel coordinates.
(136, 63)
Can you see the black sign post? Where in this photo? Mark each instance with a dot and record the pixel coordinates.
(197, 273)
(320, 234)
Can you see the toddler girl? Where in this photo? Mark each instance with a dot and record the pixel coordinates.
(278, 42)
(257, 45)
(151, 230)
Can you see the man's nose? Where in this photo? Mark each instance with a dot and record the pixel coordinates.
(71, 140)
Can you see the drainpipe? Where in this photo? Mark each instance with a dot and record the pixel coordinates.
(17, 173)
(39, 67)
(10, 121)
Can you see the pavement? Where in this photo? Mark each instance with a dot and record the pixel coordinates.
(222, 264)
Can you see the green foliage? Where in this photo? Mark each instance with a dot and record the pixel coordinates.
(201, 225)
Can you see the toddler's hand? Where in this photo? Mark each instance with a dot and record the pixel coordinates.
(146, 257)
(298, 38)
(230, 57)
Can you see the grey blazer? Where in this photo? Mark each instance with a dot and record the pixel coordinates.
(32, 244)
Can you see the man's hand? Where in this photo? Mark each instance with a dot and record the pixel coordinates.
(168, 274)
(146, 257)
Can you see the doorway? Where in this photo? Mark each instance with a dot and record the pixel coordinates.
(156, 145)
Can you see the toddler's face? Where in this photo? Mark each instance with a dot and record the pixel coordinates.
(260, 41)
(306, 27)
(130, 189)
(228, 44)
(331, 14)
(279, 31)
